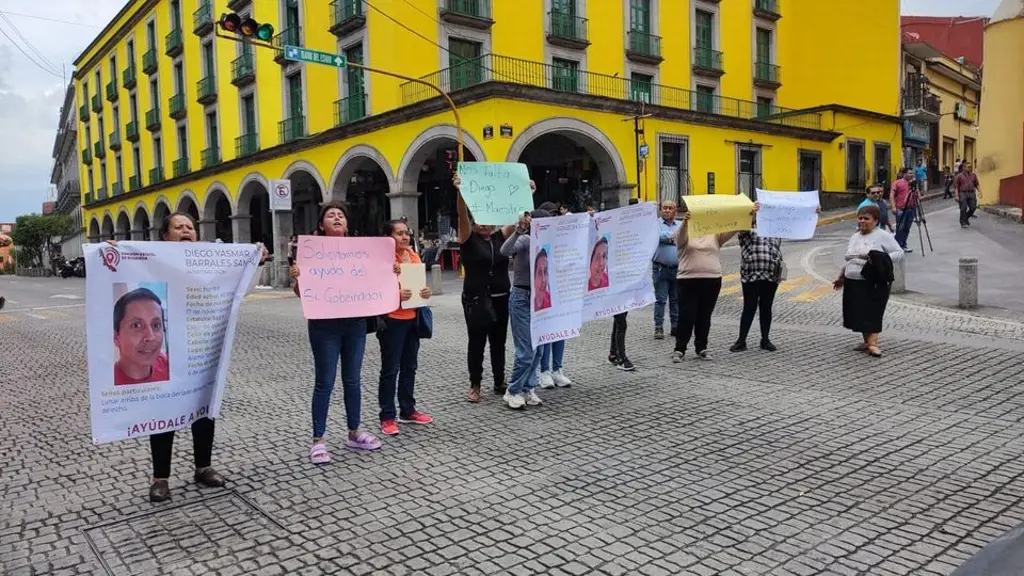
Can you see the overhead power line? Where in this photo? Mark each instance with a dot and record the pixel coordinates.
(39, 55)
(57, 20)
(30, 58)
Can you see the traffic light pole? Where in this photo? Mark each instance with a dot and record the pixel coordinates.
(464, 224)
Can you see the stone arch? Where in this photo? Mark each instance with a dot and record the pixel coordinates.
(107, 227)
(353, 159)
(141, 223)
(123, 225)
(302, 165)
(594, 141)
(94, 229)
(252, 206)
(307, 195)
(420, 149)
(215, 222)
(161, 210)
(250, 185)
(188, 203)
(215, 187)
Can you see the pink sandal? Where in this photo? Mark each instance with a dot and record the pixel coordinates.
(363, 441)
(318, 454)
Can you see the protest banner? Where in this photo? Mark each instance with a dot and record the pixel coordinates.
(788, 215)
(496, 193)
(413, 277)
(584, 268)
(341, 277)
(713, 214)
(160, 323)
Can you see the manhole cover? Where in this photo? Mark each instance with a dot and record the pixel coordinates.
(177, 536)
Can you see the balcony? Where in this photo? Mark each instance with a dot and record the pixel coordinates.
(210, 157)
(153, 119)
(83, 113)
(180, 167)
(767, 9)
(89, 198)
(176, 105)
(921, 105)
(247, 144)
(128, 78)
(288, 37)
(206, 90)
(568, 31)
(131, 131)
(149, 62)
(173, 42)
(767, 75)
(97, 103)
(112, 92)
(114, 140)
(708, 62)
(349, 109)
(156, 175)
(202, 18)
(134, 182)
(116, 189)
(86, 155)
(242, 72)
(346, 17)
(644, 48)
(237, 5)
(538, 75)
(101, 193)
(468, 13)
(291, 129)
(98, 149)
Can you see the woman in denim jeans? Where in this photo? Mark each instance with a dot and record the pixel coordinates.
(331, 339)
(522, 387)
(400, 347)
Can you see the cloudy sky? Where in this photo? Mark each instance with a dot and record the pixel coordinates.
(31, 93)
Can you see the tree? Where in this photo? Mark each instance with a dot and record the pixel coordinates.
(33, 234)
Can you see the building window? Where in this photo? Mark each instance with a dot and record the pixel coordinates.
(248, 114)
(640, 15)
(158, 152)
(566, 7)
(151, 35)
(88, 137)
(705, 99)
(133, 108)
(748, 173)
(117, 118)
(641, 87)
(673, 173)
(99, 127)
(212, 138)
(764, 46)
(92, 185)
(179, 78)
(565, 75)
(354, 82)
(113, 69)
(119, 168)
(294, 94)
(182, 142)
(131, 53)
(463, 63)
(103, 177)
(208, 59)
(137, 163)
(764, 107)
(855, 166)
(154, 95)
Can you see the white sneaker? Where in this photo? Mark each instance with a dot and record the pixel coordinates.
(561, 380)
(516, 401)
(532, 399)
(545, 380)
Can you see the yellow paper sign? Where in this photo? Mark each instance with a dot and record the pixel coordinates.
(713, 214)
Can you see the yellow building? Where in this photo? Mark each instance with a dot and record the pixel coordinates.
(941, 101)
(735, 94)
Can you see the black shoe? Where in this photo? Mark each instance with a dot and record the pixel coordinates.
(2, 302)
(672, 333)
(704, 355)
(659, 333)
(614, 360)
(625, 365)
(209, 478)
(767, 345)
(499, 389)
(739, 346)
(159, 491)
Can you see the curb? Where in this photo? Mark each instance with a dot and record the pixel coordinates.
(853, 215)
(1008, 212)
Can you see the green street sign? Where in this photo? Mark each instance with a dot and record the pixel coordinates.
(299, 54)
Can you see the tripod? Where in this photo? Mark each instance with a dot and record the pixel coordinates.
(914, 199)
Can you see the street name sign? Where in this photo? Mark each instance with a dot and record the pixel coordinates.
(299, 54)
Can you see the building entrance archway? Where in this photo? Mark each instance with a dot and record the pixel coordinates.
(307, 196)
(123, 227)
(141, 223)
(216, 220)
(94, 230)
(252, 214)
(107, 228)
(363, 179)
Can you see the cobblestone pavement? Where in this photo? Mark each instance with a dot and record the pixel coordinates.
(811, 460)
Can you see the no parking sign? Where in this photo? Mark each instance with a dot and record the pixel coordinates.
(280, 195)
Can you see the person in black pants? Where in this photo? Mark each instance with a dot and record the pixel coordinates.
(761, 270)
(617, 355)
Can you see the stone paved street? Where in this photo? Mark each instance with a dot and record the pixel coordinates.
(811, 460)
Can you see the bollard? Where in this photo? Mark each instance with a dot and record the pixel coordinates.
(968, 282)
(436, 283)
(899, 275)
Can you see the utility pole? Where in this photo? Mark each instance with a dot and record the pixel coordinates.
(640, 147)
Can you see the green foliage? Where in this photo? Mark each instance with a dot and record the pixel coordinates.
(34, 233)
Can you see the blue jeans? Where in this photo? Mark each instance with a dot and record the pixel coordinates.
(555, 350)
(904, 220)
(331, 340)
(399, 352)
(524, 367)
(664, 278)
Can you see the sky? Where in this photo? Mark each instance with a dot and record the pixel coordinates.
(30, 97)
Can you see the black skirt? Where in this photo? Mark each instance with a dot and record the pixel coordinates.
(864, 305)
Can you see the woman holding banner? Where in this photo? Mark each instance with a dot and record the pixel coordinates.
(400, 346)
(330, 340)
(179, 227)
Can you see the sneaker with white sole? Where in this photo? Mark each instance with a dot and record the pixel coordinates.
(678, 356)
(545, 380)
(704, 355)
(561, 380)
(515, 401)
(532, 399)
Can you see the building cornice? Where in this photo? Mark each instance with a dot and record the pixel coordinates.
(141, 11)
(853, 111)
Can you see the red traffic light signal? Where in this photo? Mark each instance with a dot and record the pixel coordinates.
(246, 27)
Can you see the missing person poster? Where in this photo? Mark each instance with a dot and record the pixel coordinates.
(160, 323)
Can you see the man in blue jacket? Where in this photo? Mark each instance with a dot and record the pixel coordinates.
(663, 270)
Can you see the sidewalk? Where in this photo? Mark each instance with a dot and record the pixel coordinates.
(842, 214)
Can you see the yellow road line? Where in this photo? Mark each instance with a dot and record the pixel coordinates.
(730, 278)
(730, 289)
(4, 318)
(789, 285)
(50, 315)
(814, 294)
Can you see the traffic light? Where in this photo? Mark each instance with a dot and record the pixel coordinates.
(246, 27)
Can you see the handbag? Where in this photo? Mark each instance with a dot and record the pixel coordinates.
(374, 324)
(480, 311)
(782, 273)
(424, 322)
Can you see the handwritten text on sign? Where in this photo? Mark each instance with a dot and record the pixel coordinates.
(496, 193)
(715, 214)
(346, 277)
(789, 215)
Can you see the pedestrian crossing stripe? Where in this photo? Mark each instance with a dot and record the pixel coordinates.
(807, 287)
(814, 294)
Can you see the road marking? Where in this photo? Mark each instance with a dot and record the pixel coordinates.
(49, 315)
(730, 278)
(806, 262)
(730, 290)
(814, 294)
(39, 316)
(66, 296)
(5, 318)
(793, 284)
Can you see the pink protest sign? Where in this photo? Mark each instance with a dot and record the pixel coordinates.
(346, 277)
